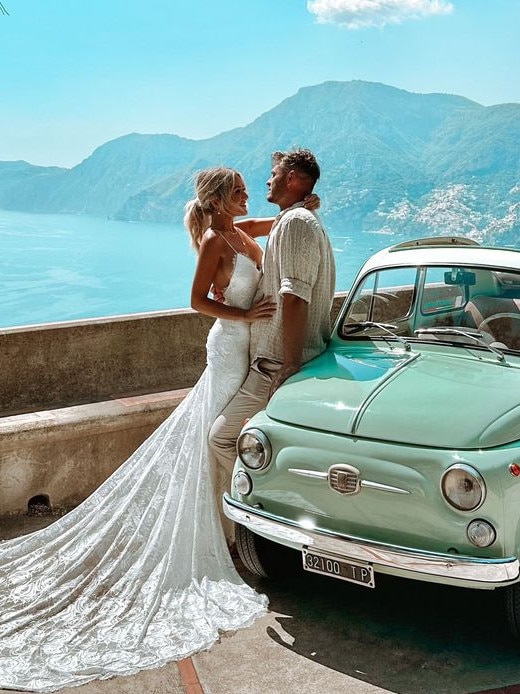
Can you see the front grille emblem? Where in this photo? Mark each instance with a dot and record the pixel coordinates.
(344, 479)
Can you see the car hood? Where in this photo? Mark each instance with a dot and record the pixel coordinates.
(426, 397)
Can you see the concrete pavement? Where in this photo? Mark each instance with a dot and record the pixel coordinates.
(246, 661)
(243, 662)
(327, 636)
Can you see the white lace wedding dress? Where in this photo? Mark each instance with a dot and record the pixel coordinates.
(139, 574)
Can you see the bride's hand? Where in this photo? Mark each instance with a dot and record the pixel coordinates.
(311, 202)
(260, 310)
(218, 294)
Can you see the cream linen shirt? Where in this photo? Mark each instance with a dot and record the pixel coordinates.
(298, 260)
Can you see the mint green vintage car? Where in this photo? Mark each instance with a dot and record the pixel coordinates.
(397, 451)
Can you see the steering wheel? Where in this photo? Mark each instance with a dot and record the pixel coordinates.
(515, 334)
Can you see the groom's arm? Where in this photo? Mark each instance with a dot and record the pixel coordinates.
(295, 313)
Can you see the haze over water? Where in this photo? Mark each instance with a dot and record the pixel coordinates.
(65, 267)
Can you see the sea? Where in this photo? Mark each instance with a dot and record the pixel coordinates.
(57, 268)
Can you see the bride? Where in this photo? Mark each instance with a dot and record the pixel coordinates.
(139, 574)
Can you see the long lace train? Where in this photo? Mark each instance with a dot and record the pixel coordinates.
(139, 574)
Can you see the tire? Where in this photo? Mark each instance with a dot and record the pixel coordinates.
(512, 600)
(263, 557)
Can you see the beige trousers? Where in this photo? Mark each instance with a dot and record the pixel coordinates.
(250, 399)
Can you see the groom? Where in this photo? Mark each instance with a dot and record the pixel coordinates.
(298, 271)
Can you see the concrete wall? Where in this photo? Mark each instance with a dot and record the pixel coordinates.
(62, 364)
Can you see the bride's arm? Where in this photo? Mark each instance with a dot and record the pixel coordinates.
(261, 226)
(254, 227)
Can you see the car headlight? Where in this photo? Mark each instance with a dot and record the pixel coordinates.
(481, 533)
(242, 483)
(463, 487)
(254, 449)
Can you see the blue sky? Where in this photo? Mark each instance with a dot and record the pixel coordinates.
(75, 74)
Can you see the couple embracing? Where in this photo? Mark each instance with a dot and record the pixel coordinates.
(139, 574)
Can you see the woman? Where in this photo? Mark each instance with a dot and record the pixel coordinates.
(139, 574)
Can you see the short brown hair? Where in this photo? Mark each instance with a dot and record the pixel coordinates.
(301, 160)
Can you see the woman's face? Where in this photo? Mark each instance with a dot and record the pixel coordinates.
(239, 196)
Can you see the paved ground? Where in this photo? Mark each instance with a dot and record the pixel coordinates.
(328, 636)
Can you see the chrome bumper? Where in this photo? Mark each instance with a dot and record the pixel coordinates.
(400, 561)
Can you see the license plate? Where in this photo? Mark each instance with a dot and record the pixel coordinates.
(329, 565)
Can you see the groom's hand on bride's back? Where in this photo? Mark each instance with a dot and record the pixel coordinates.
(262, 309)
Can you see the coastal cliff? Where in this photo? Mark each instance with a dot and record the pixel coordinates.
(392, 162)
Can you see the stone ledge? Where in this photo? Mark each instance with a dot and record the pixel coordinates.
(66, 453)
(119, 413)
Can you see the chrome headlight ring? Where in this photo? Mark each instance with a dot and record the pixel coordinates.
(463, 487)
(254, 449)
(481, 533)
(242, 483)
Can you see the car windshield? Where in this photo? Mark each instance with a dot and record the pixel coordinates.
(463, 305)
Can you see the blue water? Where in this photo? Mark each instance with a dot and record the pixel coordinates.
(64, 267)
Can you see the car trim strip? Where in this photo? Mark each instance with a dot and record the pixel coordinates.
(407, 359)
(383, 487)
(317, 474)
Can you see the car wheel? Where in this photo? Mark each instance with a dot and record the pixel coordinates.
(263, 557)
(513, 609)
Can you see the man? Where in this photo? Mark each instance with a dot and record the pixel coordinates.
(299, 273)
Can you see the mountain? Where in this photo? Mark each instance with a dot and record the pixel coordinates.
(392, 162)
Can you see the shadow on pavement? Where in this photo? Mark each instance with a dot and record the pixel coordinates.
(404, 636)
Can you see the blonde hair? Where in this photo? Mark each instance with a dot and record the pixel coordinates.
(214, 188)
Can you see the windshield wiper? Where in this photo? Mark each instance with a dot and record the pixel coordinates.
(388, 328)
(475, 335)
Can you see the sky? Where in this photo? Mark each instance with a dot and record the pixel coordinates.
(77, 73)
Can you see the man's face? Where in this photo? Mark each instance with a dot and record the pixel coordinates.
(277, 185)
